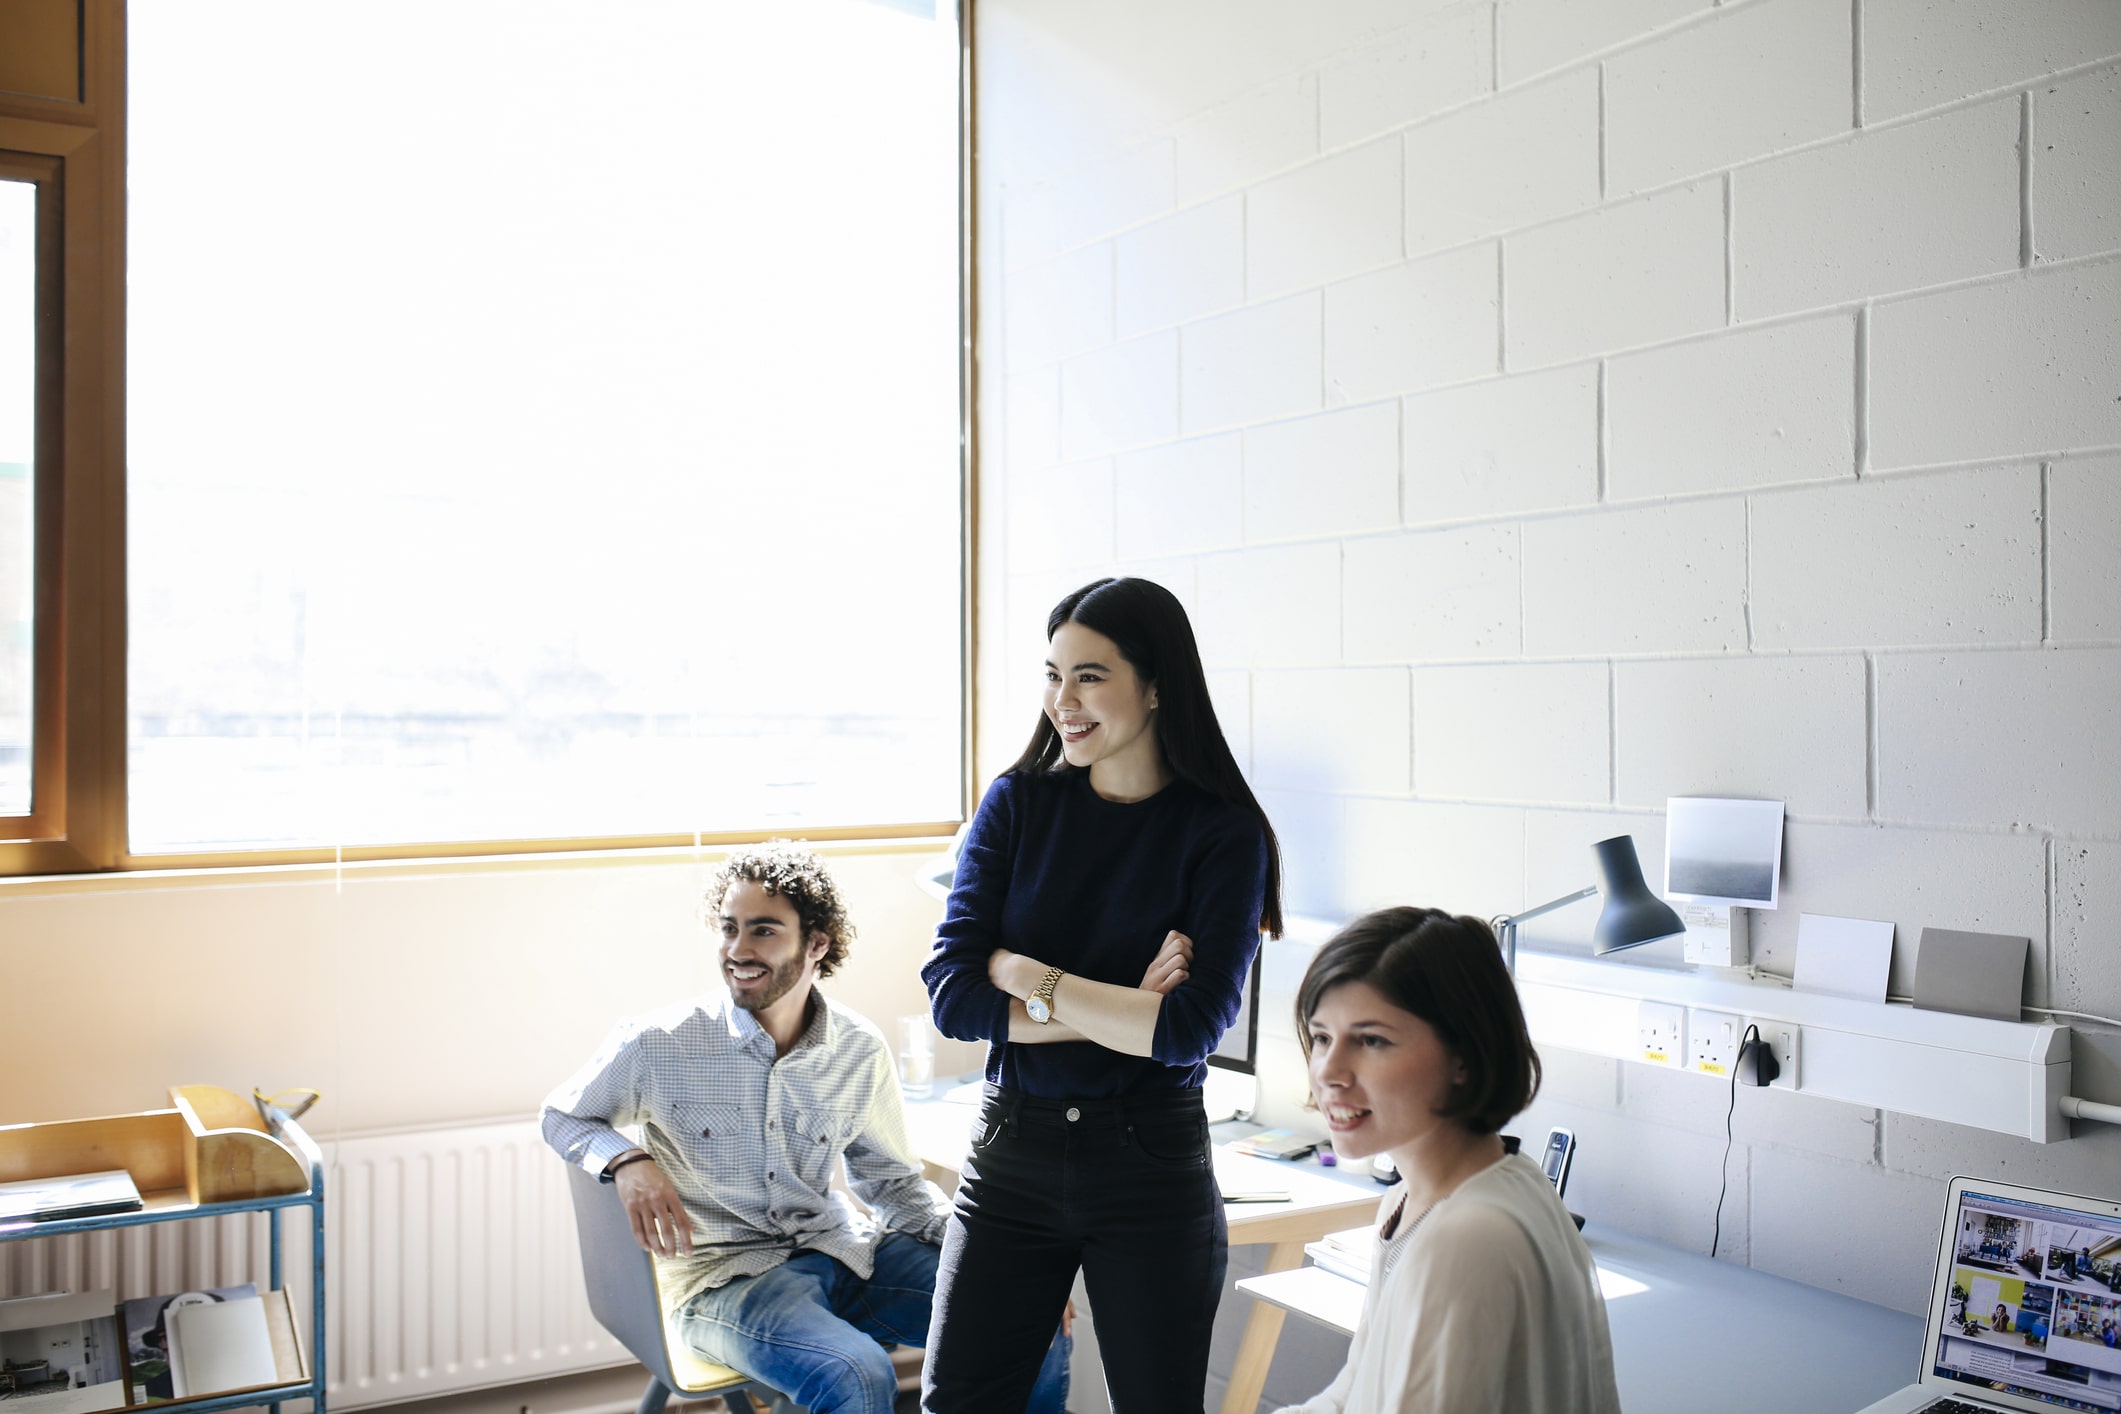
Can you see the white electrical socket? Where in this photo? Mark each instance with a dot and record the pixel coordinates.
(1781, 1039)
(1660, 1030)
(1712, 1042)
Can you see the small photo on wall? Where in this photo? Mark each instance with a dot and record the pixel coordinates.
(1726, 852)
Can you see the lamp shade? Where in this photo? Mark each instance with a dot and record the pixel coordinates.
(1633, 915)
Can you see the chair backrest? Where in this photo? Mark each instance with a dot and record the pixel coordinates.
(620, 1276)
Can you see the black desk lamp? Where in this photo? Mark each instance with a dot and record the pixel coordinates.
(1633, 915)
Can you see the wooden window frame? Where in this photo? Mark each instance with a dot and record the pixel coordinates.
(73, 149)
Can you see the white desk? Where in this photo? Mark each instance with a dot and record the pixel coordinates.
(1320, 1201)
(1691, 1334)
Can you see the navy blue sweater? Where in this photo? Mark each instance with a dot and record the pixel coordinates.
(1053, 870)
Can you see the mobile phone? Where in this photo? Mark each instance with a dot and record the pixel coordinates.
(1561, 1147)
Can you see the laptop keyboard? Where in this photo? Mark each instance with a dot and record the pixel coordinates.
(1955, 1406)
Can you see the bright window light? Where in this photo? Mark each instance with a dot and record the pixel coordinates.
(18, 406)
(543, 419)
(1613, 1286)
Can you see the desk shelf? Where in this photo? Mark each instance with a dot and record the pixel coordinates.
(207, 1156)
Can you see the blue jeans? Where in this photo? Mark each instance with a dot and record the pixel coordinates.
(810, 1328)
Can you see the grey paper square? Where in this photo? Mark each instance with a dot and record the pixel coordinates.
(1973, 974)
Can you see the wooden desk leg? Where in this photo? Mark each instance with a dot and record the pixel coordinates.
(1248, 1376)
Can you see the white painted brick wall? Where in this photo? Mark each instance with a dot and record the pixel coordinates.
(2002, 738)
(1409, 73)
(1059, 308)
(2087, 892)
(1505, 446)
(1637, 273)
(1182, 267)
(1526, 732)
(1996, 370)
(1793, 729)
(1123, 190)
(1124, 395)
(1521, 157)
(2076, 169)
(1181, 498)
(1920, 53)
(1756, 407)
(1277, 606)
(1775, 74)
(1338, 729)
(1331, 218)
(1538, 35)
(1253, 366)
(1894, 210)
(1414, 325)
(1060, 516)
(1881, 1245)
(1248, 138)
(1431, 596)
(1946, 558)
(1336, 473)
(1664, 579)
(1808, 450)
(2084, 549)
(1432, 855)
(1032, 439)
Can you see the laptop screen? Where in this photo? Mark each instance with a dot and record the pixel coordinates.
(2034, 1303)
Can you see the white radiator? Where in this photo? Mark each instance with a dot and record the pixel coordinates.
(450, 1264)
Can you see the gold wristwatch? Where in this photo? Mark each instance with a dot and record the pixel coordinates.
(1040, 1002)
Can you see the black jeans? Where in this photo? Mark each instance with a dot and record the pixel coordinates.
(1122, 1189)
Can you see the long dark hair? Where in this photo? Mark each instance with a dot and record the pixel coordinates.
(1149, 626)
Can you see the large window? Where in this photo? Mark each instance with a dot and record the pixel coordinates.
(543, 421)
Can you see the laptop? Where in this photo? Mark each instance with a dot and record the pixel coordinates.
(2025, 1308)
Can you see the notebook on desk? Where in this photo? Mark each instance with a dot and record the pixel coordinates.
(2025, 1306)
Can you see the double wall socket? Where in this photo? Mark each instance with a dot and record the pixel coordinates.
(1712, 1042)
(1660, 1033)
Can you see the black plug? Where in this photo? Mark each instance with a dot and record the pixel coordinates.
(1757, 1065)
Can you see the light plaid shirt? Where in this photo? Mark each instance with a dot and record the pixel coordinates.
(751, 1142)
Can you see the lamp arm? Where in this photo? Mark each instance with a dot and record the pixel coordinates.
(1506, 926)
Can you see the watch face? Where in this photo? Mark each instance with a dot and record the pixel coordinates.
(1040, 1011)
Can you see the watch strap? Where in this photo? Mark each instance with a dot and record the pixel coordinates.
(1046, 984)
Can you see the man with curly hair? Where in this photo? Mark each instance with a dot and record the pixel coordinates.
(746, 1100)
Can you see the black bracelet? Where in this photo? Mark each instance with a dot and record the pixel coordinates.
(611, 1171)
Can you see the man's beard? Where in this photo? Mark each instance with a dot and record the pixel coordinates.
(778, 983)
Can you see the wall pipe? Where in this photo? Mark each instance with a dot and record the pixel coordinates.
(2075, 1108)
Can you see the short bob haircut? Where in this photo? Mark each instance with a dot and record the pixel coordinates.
(1448, 971)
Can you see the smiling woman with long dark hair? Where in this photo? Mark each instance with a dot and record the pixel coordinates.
(1108, 903)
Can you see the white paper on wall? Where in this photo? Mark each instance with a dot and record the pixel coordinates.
(1843, 957)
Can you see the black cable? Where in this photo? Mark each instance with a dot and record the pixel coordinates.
(1752, 1032)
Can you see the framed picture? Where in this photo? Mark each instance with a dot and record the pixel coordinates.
(1725, 852)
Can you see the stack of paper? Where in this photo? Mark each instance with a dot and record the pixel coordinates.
(1348, 1253)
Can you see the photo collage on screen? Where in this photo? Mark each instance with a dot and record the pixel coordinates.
(2035, 1303)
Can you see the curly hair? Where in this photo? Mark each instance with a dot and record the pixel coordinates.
(786, 870)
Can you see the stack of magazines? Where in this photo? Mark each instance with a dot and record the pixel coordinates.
(1346, 1254)
(79, 1195)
